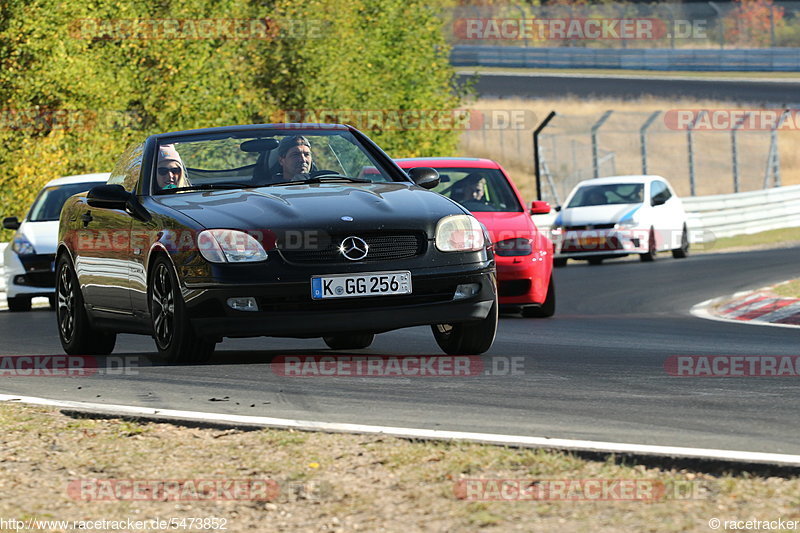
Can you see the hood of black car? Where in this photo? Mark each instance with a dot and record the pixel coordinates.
(331, 207)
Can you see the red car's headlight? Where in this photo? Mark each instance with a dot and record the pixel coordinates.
(513, 247)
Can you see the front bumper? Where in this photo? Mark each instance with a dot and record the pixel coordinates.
(31, 275)
(522, 279)
(613, 242)
(287, 309)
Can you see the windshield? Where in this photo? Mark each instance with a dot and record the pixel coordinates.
(478, 189)
(262, 159)
(608, 194)
(48, 204)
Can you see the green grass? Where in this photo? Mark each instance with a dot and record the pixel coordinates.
(640, 73)
(765, 239)
(790, 289)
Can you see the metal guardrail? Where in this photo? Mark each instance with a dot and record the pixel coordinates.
(757, 59)
(725, 215)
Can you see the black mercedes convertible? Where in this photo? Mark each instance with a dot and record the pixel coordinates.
(291, 230)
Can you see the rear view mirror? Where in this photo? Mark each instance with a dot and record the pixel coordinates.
(425, 177)
(539, 207)
(11, 223)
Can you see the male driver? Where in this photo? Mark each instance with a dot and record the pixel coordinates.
(294, 157)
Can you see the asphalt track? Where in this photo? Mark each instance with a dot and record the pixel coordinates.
(774, 92)
(595, 371)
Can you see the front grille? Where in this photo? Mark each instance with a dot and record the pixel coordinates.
(36, 279)
(383, 247)
(514, 287)
(589, 227)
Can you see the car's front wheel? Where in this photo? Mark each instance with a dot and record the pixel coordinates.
(19, 304)
(74, 330)
(683, 251)
(175, 338)
(467, 338)
(353, 341)
(650, 255)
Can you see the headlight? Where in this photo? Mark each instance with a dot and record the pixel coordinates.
(513, 247)
(459, 233)
(22, 246)
(229, 246)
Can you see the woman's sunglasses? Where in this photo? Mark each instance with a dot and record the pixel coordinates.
(163, 171)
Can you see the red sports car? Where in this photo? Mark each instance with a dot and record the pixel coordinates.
(524, 255)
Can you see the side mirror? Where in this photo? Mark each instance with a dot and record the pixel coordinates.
(658, 200)
(116, 197)
(539, 207)
(11, 223)
(557, 208)
(425, 177)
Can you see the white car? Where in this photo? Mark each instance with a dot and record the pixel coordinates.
(611, 217)
(29, 258)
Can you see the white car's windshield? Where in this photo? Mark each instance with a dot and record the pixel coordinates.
(608, 194)
(48, 204)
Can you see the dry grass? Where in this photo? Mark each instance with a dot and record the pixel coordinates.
(345, 482)
(566, 145)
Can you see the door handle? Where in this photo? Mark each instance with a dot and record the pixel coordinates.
(87, 217)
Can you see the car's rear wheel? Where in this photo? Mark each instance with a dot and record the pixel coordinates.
(19, 304)
(683, 251)
(74, 329)
(467, 338)
(560, 262)
(353, 341)
(650, 255)
(547, 309)
(175, 338)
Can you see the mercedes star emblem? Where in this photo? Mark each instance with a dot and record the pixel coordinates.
(354, 248)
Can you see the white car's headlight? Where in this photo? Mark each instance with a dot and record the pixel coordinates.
(22, 246)
(229, 246)
(459, 233)
(626, 224)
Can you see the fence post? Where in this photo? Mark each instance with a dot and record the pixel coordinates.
(690, 145)
(721, 20)
(735, 153)
(774, 157)
(536, 170)
(595, 127)
(643, 138)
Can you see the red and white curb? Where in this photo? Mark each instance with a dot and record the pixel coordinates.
(759, 307)
(172, 415)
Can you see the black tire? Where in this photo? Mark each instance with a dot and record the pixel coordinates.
(547, 309)
(560, 262)
(467, 338)
(19, 304)
(596, 261)
(650, 255)
(352, 341)
(176, 340)
(52, 301)
(683, 251)
(77, 335)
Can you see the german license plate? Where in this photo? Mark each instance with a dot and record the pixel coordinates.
(366, 284)
(592, 241)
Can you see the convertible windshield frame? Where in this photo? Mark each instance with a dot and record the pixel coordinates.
(376, 157)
